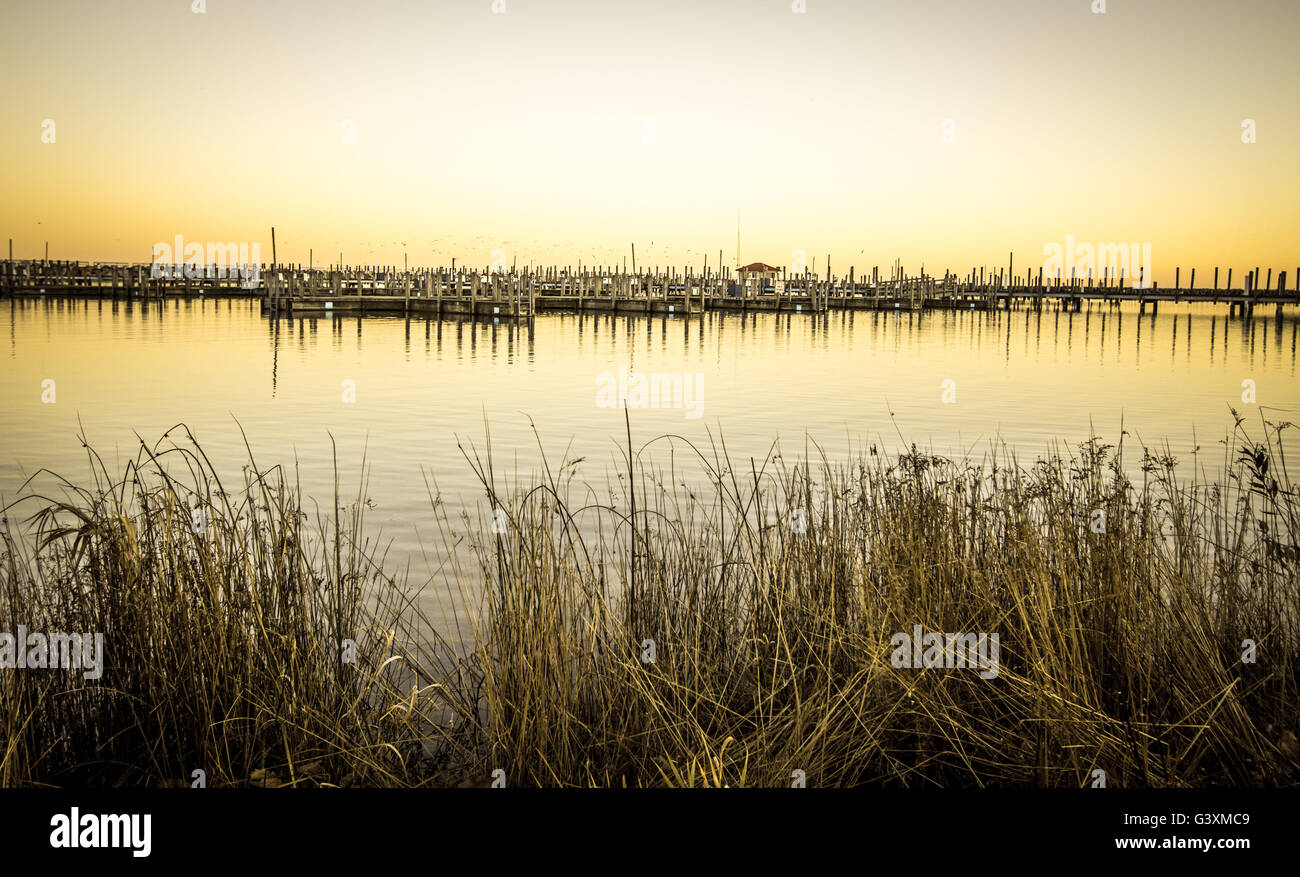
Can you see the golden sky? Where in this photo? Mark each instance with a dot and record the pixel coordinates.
(566, 130)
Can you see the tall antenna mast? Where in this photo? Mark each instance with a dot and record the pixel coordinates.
(737, 241)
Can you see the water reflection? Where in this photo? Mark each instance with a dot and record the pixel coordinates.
(1027, 377)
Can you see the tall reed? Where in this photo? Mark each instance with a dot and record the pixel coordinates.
(772, 595)
(224, 615)
(695, 621)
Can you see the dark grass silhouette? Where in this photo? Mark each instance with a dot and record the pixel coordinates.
(770, 591)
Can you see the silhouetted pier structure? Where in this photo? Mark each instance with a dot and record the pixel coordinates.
(520, 293)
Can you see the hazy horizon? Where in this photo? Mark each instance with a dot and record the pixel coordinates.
(567, 131)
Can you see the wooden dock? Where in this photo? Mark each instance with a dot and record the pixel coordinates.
(295, 290)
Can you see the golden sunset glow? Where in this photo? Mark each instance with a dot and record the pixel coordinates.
(631, 394)
(566, 131)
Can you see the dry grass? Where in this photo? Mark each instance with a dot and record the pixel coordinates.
(222, 634)
(1120, 650)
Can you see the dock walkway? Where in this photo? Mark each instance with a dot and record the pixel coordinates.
(294, 290)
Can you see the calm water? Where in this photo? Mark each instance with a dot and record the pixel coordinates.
(1027, 378)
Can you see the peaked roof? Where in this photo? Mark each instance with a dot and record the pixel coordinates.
(758, 266)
